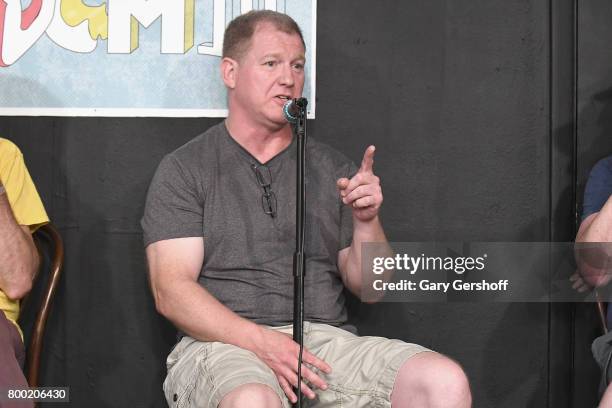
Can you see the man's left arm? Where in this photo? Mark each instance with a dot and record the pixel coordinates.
(18, 254)
(595, 263)
(593, 250)
(597, 227)
(364, 195)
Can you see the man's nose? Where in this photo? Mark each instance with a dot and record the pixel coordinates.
(286, 75)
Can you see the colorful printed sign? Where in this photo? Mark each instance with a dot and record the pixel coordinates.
(126, 57)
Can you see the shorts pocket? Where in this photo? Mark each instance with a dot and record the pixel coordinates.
(179, 393)
(183, 372)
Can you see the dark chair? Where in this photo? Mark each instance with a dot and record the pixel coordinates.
(51, 251)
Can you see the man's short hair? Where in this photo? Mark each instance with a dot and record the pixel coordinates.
(239, 32)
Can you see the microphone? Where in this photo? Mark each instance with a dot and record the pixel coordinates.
(294, 108)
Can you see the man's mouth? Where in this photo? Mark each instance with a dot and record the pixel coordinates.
(284, 97)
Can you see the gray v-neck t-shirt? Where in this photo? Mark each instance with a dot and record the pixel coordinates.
(208, 188)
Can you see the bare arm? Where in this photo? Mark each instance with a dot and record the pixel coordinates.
(174, 267)
(597, 227)
(364, 194)
(595, 263)
(350, 259)
(18, 255)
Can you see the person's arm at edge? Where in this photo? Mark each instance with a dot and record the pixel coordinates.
(18, 255)
(595, 228)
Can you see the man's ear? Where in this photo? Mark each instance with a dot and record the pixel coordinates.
(229, 68)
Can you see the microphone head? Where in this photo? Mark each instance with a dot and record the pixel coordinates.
(290, 111)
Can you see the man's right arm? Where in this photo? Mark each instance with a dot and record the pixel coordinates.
(174, 267)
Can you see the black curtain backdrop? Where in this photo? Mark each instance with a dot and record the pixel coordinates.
(487, 116)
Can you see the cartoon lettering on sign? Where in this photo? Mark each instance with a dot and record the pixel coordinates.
(78, 27)
(20, 29)
(125, 16)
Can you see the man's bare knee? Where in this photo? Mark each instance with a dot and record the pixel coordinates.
(431, 380)
(251, 396)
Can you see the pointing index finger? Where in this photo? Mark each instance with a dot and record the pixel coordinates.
(368, 160)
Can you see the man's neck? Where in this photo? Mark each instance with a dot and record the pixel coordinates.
(262, 143)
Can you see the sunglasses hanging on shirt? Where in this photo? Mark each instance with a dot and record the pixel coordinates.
(268, 198)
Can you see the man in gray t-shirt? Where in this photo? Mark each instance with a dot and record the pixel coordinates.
(210, 188)
(219, 236)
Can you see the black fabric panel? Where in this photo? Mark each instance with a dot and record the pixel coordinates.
(455, 97)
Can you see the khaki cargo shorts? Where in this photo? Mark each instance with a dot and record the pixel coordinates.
(200, 374)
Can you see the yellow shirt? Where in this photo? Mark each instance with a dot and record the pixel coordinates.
(25, 203)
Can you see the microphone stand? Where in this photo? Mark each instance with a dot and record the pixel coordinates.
(299, 260)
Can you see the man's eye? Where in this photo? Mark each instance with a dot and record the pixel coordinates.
(299, 67)
(270, 63)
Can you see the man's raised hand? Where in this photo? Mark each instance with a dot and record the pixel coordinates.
(362, 192)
